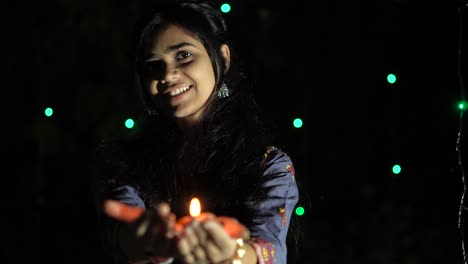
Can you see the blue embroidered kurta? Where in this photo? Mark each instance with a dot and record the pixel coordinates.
(272, 215)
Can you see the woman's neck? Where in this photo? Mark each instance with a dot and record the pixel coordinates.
(190, 129)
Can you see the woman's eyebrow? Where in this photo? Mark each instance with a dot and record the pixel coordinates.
(178, 46)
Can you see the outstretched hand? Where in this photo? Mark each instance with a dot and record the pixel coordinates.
(203, 239)
(210, 239)
(155, 230)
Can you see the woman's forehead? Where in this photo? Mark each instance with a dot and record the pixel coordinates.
(170, 36)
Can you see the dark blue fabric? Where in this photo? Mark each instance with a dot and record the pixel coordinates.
(272, 218)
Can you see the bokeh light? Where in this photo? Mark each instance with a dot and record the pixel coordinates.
(225, 8)
(48, 111)
(129, 123)
(297, 123)
(391, 78)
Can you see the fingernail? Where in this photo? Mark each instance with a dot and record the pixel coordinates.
(142, 228)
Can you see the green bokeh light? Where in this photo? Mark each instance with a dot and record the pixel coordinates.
(297, 123)
(396, 169)
(129, 123)
(300, 210)
(391, 78)
(225, 8)
(462, 105)
(48, 111)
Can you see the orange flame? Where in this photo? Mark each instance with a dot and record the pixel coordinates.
(195, 207)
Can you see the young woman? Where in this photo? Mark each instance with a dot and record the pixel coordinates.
(202, 137)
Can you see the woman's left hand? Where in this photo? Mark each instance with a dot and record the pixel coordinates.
(209, 241)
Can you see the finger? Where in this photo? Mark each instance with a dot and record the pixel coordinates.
(142, 226)
(217, 233)
(166, 219)
(183, 247)
(172, 229)
(199, 254)
(121, 211)
(191, 237)
(184, 250)
(163, 209)
(213, 252)
(200, 232)
(189, 259)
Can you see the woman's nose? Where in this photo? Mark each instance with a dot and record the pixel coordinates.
(171, 74)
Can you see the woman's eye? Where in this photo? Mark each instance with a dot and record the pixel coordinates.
(183, 55)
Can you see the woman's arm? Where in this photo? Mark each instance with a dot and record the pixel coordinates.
(139, 233)
(120, 239)
(273, 214)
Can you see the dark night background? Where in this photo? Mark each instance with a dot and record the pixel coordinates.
(323, 61)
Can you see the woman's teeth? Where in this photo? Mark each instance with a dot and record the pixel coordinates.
(179, 90)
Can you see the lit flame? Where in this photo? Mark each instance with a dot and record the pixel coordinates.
(195, 207)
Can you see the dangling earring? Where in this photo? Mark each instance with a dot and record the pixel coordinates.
(223, 91)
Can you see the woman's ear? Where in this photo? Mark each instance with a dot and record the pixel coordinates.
(226, 52)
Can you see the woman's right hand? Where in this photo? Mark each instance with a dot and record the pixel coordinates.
(155, 231)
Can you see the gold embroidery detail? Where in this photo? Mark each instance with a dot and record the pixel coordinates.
(265, 254)
(268, 151)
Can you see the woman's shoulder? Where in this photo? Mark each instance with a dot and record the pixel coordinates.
(277, 160)
(275, 154)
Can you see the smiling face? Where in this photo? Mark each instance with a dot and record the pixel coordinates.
(180, 75)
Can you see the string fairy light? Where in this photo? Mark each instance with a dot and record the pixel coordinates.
(462, 207)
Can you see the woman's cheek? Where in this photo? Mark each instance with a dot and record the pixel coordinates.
(152, 87)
